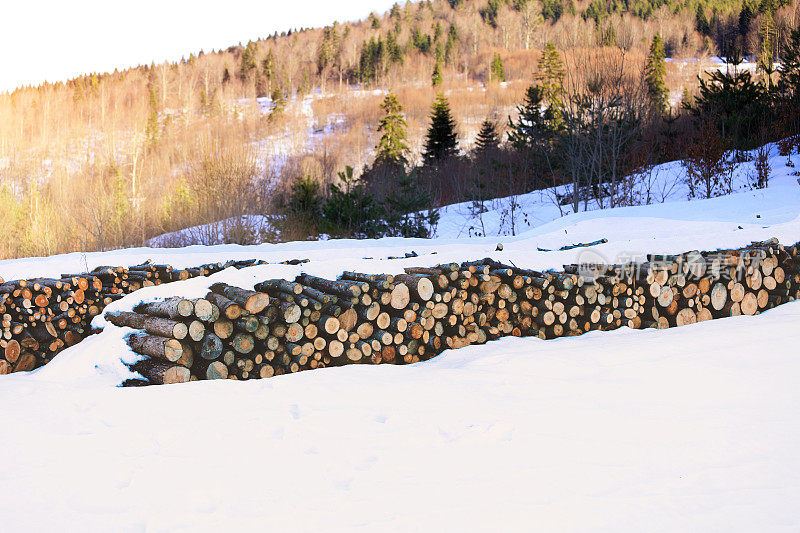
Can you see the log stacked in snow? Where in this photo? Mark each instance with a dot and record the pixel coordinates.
(40, 317)
(288, 326)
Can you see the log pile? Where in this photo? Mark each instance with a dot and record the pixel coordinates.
(289, 326)
(40, 317)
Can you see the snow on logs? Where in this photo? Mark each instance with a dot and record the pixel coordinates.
(284, 326)
(40, 317)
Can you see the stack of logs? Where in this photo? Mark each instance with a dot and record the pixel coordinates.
(283, 327)
(40, 317)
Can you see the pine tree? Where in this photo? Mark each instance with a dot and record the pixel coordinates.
(746, 18)
(496, 72)
(373, 60)
(440, 142)
(152, 131)
(330, 48)
(437, 31)
(487, 139)
(789, 84)
(374, 22)
(655, 71)
(491, 12)
(436, 77)
(701, 21)
(550, 75)
(395, 51)
(552, 9)
(789, 91)
(268, 69)
(450, 45)
(408, 207)
(530, 129)
(421, 41)
(247, 62)
(350, 210)
(392, 149)
(278, 101)
(304, 200)
(733, 102)
(767, 35)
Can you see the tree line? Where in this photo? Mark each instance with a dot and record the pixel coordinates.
(585, 127)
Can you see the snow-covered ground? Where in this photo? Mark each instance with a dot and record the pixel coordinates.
(659, 192)
(693, 428)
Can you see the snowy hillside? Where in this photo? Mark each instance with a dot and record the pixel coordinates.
(660, 191)
(692, 428)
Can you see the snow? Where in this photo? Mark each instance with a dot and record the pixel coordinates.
(686, 429)
(693, 428)
(663, 186)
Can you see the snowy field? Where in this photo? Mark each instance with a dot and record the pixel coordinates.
(687, 429)
(691, 429)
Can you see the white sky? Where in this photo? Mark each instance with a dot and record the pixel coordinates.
(58, 39)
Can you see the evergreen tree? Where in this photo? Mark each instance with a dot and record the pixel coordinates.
(789, 84)
(304, 201)
(440, 141)
(437, 31)
(373, 60)
(496, 72)
(268, 65)
(436, 77)
(152, 130)
(552, 10)
(550, 75)
(394, 50)
(530, 130)
(278, 102)
(374, 22)
(330, 48)
(408, 207)
(487, 140)
(766, 34)
(789, 91)
(350, 210)
(439, 53)
(247, 63)
(450, 45)
(491, 12)
(734, 103)
(421, 41)
(701, 21)
(392, 149)
(655, 71)
(746, 18)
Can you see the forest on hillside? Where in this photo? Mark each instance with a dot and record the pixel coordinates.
(364, 129)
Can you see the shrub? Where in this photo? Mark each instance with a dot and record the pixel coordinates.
(350, 211)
